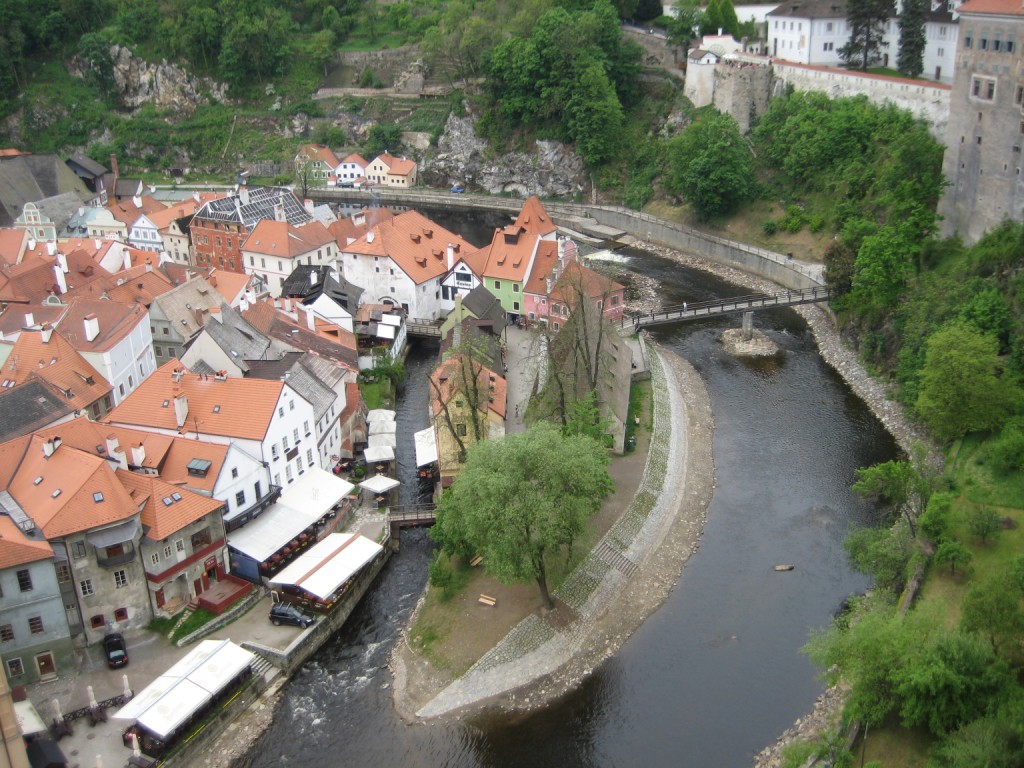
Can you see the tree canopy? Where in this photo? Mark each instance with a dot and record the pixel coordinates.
(866, 20)
(523, 499)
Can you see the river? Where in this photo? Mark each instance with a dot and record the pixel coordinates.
(714, 675)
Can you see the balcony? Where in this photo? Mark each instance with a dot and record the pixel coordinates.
(111, 560)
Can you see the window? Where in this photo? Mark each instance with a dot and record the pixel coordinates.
(63, 574)
(168, 552)
(121, 578)
(309, 457)
(154, 558)
(97, 621)
(35, 625)
(24, 580)
(180, 545)
(85, 587)
(280, 410)
(158, 350)
(305, 428)
(14, 668)
(515, 287)
(983, 88)
(291, 406)
(497, 285)
(273, 452)
(6, 633)
(967, 39)
(288, 472)
(120, 614)
(166, 330)
(284, 443)
(460, 429)
(240, 499)
(201, 539)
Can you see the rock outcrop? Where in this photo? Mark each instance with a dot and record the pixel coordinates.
(553, 170)
(165, 86)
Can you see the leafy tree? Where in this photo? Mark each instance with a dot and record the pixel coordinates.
(910, 60)
(321, 48)
(685, 24)
(54, 30)
(984, 523)
(866, 21)
(950, 681)
(585, 419)
(992, 742)
(935, 521)
(138, 19)
(523, 499)
(953, 553)
(730, 22)
(988, 311)
(383, 137)
(646, 10)
(711, 165)
(993, 609)
(882, 553)
(903, 486)
(94, 48)
(713, 19)
(594, 116)
(255, 46)
(963, 388)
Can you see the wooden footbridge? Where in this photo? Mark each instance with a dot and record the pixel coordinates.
(412, 514)
(632, 323)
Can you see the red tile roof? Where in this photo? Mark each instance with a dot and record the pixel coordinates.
(160, 518)
(319, 152)
(13, 243)
(18, 549)
(127, 212)
(446, 378)
(279, 238)
(995, 7)
(240, 408)
(415, 243)
(116, 321)
(47, 355)
(397, 166)
(69, 491)
(508, 255)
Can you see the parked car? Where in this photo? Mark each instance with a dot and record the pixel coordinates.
(286, 613)
(458, 189)
(115, 650)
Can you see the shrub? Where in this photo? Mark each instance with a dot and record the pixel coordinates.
(769, 227)
(370, 79)
(793, 221)
(816, 224)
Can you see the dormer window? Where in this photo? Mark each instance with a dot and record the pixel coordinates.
(97, 497)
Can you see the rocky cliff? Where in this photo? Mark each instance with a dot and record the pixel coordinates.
(552, 170)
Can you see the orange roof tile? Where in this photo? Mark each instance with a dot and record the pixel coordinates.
(160, 518)
(13, 243)
(184, 209)
(398, 166)
(577, 277)
(69, 491)
(415, 243)
(355, 158)
(279, 238)
(127, 211)
(230, 285)
(18, 549)
(240, 408)
(116, 320)
(445, 378)
(508, 255)
(543, 264)
(319, 152)
(996, 7)
(50, 357)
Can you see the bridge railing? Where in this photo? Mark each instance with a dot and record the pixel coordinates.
(737, 303)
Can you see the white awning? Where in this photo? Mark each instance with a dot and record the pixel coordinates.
(385, 332)
(302, 504)
(375, 441)
(394, 320)
(323, 568)
(382, 427)
(186, 687)
(380, 453)
(29, 721)
(426, 447)
(379, 483)
(379, 414)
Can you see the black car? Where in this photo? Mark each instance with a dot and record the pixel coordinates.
(115, 650)
(286, 613)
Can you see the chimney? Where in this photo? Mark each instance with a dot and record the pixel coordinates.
(30, 320)
(62, 260)
(92, 327)
(279, 212)
(97, 243)
(310, 321)
(138, 454)
(136, 201)
(113, 168)
(116, 453)
(451, 255)
(243, 195)
(180, 409)
(312, 277)
(47, 332)
(127, 263)
(62, 284)
(243, 303)
(308, 205)
(195, 196)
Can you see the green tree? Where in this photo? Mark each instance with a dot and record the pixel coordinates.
(593, 116)
(883, 554)
(585, 419)
(992, 742)
(648, 10)
(94, 48)
(953, 553)
(383, 137)
(951, 680)
(993, 609)
(523, 499)
(910, 59)
(984, 523)
(866, 21)
(904, 486)
(321, 48)
(685, 23)
(730, 22)
(963, 387)
(138, 19)
(711, 166)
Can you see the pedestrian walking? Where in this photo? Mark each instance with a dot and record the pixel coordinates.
(684, 306)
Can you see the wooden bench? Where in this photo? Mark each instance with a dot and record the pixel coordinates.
(487, 600)
(477, 559)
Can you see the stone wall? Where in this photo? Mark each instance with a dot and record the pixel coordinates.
(930, 101)
(743, 91)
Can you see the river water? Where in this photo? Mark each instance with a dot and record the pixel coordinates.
(714, 675)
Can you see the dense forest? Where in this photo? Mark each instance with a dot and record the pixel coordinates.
(941, 320)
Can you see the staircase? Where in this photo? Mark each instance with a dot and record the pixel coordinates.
(606, 553)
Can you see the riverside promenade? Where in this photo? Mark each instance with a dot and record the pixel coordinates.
(626, 577)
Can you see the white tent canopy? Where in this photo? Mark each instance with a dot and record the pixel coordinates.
(379, 453)
(186, 687)
(426, 447)
(302, 504)
(374, 441)
(382, 427)
(379, 414)
(323, 568)
(379, 484)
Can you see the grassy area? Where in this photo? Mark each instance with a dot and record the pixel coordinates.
(375, 394)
